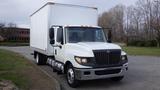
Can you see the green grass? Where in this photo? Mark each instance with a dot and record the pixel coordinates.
(13, 44)
(19, 80)
(23, 73)
(144, 51)
(12, 68)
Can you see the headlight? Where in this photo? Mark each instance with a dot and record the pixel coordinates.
(86, 61)
(124, 58)
(78, 60)
(81, 60)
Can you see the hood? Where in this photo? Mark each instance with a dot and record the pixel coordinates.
(99, 45)
(86, 48)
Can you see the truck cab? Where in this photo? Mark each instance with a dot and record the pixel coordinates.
(83, 53)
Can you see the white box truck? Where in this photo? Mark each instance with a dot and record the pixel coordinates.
(68, 38)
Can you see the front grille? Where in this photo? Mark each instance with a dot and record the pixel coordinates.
(107, 57)
(105, 72)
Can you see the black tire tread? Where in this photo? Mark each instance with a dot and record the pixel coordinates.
(42, 59)
(76, 82)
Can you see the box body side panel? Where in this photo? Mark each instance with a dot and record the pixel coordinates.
(39, 29)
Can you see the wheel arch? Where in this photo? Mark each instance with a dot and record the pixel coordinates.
(65, 66)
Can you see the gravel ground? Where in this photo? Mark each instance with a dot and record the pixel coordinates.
(143, 74)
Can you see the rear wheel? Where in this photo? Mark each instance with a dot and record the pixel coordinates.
(40, 59)
(71, 77)
(117, 78)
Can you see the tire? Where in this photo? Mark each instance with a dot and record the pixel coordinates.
(40, 59)
(70, 75)
(59, 72)
(117, 78)
(38, 62)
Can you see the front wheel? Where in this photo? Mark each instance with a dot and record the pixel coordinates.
(71, 77)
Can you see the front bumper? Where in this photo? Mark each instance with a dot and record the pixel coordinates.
(100, 73)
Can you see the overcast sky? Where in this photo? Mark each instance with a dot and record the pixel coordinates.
(18, 11)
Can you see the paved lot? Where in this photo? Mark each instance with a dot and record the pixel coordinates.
(143, 74)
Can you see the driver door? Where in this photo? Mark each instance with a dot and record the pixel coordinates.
(59, 51)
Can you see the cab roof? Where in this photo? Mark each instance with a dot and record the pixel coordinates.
(82, 26)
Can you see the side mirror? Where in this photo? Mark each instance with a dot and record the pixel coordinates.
(51, 36)
(51, 33)
(109, 41)
(109, 36)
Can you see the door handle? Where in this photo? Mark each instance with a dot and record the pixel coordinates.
(55, 52)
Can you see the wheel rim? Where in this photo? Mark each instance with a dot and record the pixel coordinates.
(70, 76)
(37, 58)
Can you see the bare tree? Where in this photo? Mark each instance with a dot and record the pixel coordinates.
(114, 19)
(7, 31)
(140, 22)
(2, 31)
(2, 25)
(156, 20)
(146, 8)
(12, 25)
(133, 23)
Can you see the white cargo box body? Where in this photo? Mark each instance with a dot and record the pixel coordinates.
(58, 14)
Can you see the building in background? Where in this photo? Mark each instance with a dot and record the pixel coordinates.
(15, 34)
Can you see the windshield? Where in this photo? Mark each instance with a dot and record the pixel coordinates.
(85, 34)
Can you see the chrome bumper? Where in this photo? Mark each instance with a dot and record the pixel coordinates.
(90, 74)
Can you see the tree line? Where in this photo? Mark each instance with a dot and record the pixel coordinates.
(139, 22)
(7, 30)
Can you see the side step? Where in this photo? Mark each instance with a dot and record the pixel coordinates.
(55, 64)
